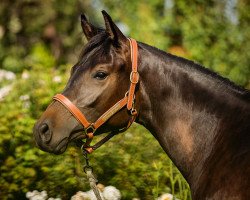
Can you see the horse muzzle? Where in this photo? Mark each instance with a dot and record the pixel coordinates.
(43, 135)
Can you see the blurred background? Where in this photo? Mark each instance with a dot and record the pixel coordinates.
(41, 40)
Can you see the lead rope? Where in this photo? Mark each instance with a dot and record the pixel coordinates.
(91, 176)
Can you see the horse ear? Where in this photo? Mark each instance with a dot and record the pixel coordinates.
(114, 32)
(89, 30)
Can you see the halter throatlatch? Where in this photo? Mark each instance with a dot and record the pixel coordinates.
(129, 100)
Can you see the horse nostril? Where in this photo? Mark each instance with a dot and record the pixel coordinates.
(44, 128)
(45, 133)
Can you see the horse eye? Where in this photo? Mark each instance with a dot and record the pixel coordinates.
(100, 75)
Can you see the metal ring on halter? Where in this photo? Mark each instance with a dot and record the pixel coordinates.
(133, 111)
(126, 94)
(90, 129)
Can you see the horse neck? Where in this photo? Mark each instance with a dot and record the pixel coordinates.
(184, 109)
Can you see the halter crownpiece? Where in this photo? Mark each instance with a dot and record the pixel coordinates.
(129, 100)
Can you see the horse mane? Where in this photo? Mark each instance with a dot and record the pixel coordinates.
(94, 42)
(99, 41)
(244, 93)
(97, 46)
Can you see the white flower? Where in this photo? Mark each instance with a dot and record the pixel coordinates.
(25, 75)
(26, 105)
(4, 91)
(91, 195)
(38, 197)
(167, 196)
(35, 195)
(57, 79)
(111, 193)
(128, 135)
(8, 75)
(80, 196)
(43, 193)
(29, 194)
(25, 98)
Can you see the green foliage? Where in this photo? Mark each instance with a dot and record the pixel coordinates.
(21, 168)
(40, 40)
(40, 57)
(140, 166)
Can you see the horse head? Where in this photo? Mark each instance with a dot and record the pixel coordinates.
(99, 79)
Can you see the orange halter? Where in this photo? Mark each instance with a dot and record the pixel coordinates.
(128, 100)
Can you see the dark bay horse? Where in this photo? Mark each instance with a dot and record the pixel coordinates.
(200, 119)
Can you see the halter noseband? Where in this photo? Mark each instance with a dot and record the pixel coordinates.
(128, 100)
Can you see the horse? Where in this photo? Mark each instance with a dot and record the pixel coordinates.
(200, 119)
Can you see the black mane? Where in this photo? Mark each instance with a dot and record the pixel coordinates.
(98, 47)
(96, 41)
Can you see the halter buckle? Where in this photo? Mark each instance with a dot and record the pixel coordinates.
(134, 77)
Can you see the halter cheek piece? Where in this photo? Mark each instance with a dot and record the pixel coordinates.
(128, 100)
